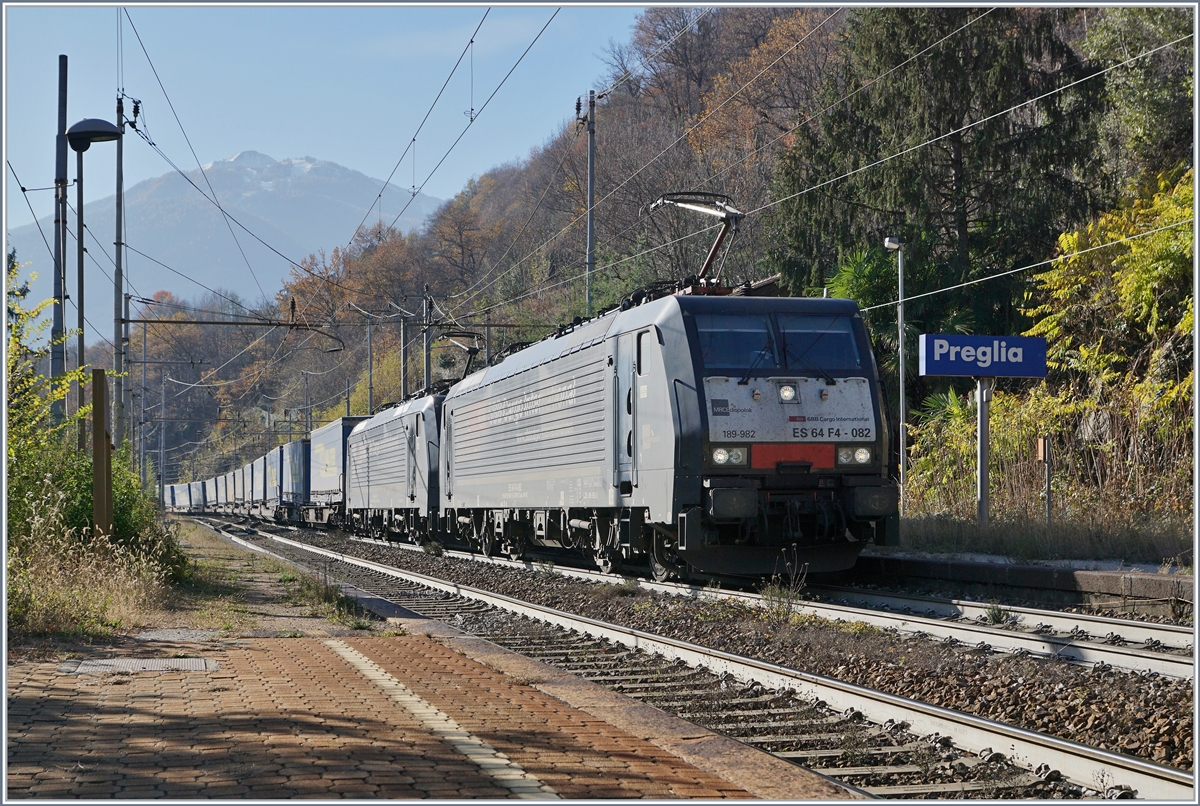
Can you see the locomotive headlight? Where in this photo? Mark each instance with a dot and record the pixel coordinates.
(737, 456)
(787, 393)
(720, 456)
(853, 455)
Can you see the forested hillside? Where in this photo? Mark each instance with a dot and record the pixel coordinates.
(1006, 147)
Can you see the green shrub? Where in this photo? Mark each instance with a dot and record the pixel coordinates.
(63, 577)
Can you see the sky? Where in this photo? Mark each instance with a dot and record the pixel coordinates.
(345, 84)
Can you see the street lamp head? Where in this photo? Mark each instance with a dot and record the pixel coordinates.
(892, 243)
(91, 130)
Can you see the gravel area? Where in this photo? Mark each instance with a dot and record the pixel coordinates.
(1144, 715)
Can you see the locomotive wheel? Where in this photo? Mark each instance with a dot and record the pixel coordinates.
(664, 559)
(486, 541)
(659, 571)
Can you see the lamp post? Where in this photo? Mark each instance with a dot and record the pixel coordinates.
(897, 245)
(80, 137)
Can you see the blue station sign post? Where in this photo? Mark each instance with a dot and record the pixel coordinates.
(983, 358)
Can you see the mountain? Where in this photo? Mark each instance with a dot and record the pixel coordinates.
(298, 205)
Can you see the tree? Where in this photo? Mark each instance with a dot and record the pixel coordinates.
(944, 151)
(1127, 307)
(1149, 100)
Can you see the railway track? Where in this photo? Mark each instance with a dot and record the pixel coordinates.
(1075, 637)
(880, 743)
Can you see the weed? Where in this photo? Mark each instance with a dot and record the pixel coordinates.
(721, 610)
(782, 594)
(1178, 564)
(393, 633)
(628, 587)
(528, 681)
(856, 628)
(326, 600)
(545, 568)
(433, 548)
(287, 576)
(924, 757)
(854, 745)
(648, 606)
(995, 613)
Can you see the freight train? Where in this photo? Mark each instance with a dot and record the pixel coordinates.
(692, 433)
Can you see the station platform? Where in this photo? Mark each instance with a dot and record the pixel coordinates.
(427, 712)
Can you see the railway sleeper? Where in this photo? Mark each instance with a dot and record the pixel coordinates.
(811, 737)
(639, 673)
(1019, 781)
(768, 712)
(814, 755)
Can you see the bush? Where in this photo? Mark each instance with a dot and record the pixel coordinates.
(63, 577)
(75, 583)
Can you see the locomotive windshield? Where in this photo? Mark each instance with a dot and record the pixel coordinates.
(826, 342)
(736, 341)
(803, 343)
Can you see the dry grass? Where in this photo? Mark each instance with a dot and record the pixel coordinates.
(1134, 541)
(66, 583)
(229, 588)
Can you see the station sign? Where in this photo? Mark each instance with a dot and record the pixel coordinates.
(983, 356)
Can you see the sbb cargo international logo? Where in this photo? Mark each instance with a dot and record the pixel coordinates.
(983, 356)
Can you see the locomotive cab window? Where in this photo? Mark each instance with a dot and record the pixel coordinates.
(736, 341)
(826, 342)
(643, 339)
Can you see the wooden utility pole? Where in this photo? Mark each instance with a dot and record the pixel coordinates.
(102, 504)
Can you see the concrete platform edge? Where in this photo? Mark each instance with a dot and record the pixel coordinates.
(1111, 583)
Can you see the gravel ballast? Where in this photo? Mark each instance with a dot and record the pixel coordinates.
(1143, 715)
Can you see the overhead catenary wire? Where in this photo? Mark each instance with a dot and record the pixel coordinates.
(658, 156)
(412, 142)
(25, 193)
(188, 140)
(605, 267)
(242, 226)
(876, 162)
(967, 127)
(1048, 261)
(644, 62)
(760, 148)
(521, 231)
(253, 314)
(477, 114)
(847, 96)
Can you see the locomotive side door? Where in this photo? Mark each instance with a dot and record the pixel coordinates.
(412, 437)
(626, 403)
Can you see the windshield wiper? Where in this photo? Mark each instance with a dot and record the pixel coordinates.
(806, 365)
(767, 349)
